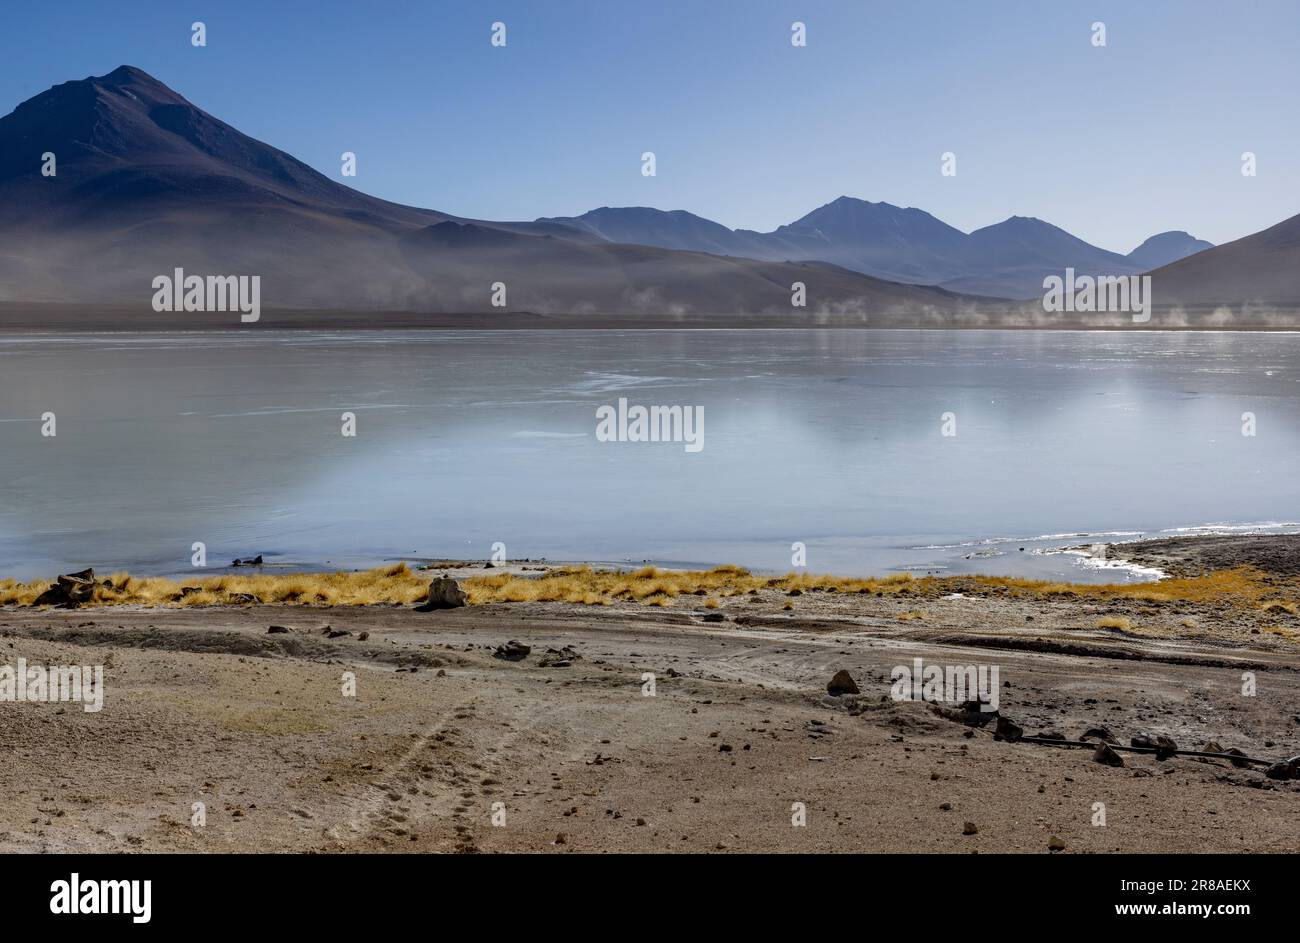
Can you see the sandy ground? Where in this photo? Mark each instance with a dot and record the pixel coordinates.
(204, 706)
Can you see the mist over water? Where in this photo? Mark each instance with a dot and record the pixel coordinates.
(831, 438)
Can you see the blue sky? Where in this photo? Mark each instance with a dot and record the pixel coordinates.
(1111, 143)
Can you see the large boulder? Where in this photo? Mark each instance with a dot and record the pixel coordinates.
(70, 590)
(445, 593)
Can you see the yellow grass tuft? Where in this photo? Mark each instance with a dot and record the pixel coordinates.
(1114, 622)
(1275, 605)
(1243, 588)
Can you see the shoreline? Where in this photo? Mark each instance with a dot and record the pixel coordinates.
(21, 318)
(1146, 557)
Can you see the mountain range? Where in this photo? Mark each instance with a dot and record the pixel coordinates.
(145, 182)
(1008, 259)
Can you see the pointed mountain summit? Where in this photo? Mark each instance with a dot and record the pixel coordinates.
(905, 244)
(127, 144)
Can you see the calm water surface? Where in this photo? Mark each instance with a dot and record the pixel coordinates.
(831, 438)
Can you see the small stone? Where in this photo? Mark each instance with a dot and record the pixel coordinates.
(842, 684)
(512, 651)
(1239, 764)
(969, 828)
(1164, 747)
(1055, 844)
(1281, 771)
(1007, 730)
(1099, 733)
(1106, 755)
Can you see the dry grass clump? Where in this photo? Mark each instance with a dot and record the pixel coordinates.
(1115, 622)
(651, 586)
(387, 584)
(1279, 605)
(911, 615)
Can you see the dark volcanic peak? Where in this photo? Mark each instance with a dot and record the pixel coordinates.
(126, 143)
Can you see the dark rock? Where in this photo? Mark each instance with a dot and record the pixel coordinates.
(1055, 844)
(1106, 755)
(841, 684)
(70, 590)
(363, 636)
(337, 633)
(1099, 733)
(713, 617)
(1007, 729)
(1051, 735)
(512, 651)
(1281, 771)
(276, 630)
(559, 657)
(969, 713)
(444, 593)
(1164, 747)
(969, 828)
(1239, 764)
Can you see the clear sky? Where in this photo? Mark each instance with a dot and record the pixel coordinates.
(1113, 144)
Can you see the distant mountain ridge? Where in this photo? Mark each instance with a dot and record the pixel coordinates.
(1008, 259)
(145, 182)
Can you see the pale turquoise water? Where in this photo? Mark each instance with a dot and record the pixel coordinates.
(831, 438)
